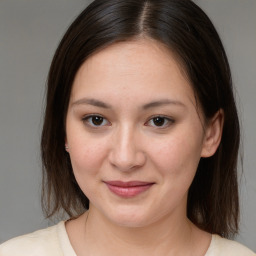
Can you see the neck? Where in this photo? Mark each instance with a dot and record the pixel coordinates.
(155, 237)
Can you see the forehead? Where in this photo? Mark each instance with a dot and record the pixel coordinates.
(141, 66)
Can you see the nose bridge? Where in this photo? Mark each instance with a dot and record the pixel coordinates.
(126, 152)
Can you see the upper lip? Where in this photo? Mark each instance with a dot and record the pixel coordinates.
(135, 183)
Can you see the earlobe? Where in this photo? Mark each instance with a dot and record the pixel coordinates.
(66, 145)
(213, 134)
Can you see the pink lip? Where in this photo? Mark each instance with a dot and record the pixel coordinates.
(128, 189)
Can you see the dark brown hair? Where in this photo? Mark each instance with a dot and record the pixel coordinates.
(187, 31)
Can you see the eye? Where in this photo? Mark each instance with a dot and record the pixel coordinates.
(160, 121)
(95, 121)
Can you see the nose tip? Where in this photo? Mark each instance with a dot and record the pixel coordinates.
(127, 161)
(126, 154)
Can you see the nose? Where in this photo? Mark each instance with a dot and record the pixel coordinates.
(126, 153)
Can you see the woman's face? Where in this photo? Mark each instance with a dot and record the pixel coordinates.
(134, 133)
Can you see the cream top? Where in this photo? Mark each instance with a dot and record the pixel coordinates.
(54, 241)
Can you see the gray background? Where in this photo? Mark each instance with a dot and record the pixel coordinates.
(29, 33)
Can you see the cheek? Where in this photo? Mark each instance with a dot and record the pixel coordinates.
(87, 158)
(178, 157)
(176, 163)
(87, 155)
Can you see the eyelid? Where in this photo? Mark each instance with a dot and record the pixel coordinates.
(168, 118)
(87, 117)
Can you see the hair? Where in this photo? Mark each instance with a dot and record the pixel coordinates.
(186, 30)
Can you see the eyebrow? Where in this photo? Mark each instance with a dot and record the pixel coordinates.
(93, 102)
(101, 104)
(162, 102)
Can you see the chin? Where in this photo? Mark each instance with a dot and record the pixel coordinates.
(130, 217)
(130, 222)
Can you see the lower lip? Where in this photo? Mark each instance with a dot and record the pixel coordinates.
(128, 192)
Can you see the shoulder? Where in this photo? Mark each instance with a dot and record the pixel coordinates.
(222, 246)
(41, 242)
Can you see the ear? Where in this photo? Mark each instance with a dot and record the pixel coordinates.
(66, 145)
(213, 134)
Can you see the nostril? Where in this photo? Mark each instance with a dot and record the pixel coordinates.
(127, 162)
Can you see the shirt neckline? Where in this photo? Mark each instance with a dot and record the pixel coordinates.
(65, 244)
(68, 250)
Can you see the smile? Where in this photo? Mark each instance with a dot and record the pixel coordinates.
(128, 189)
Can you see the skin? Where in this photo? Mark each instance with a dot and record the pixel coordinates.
(128, 84)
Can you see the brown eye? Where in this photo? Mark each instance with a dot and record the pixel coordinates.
(95, 121)
(159, 121)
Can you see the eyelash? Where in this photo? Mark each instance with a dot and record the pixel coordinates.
(167, 121)
(87, 122)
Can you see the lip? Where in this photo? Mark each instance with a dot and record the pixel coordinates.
(128, 189)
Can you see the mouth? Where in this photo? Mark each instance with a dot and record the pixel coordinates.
(128, 189)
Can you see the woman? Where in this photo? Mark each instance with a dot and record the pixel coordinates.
(141, 136)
